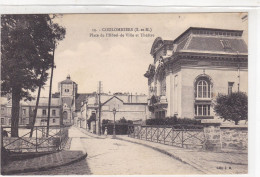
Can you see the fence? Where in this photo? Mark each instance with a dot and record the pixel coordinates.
(56, 140)
(181, 136)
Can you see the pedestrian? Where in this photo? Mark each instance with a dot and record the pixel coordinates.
(105, 132)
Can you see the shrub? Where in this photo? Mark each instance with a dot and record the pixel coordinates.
(172, 121)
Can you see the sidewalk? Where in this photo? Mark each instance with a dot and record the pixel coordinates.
(206, 161)
(45, 162)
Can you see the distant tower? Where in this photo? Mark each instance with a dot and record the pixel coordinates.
(68, 92)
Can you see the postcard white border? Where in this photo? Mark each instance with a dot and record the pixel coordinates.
(250, 6)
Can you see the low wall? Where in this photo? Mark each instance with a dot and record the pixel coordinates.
(212, 136)
(234, 138)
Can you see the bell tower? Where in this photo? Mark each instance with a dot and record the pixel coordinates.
(68, 92)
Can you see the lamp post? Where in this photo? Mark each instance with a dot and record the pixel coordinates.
(114, 128)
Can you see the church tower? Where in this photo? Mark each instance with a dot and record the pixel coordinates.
(68, 92)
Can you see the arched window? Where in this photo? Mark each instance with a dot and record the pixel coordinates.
(203, 88)
(203, 95)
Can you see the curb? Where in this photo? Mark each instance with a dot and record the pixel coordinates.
(38, 169)
(197, 167)
(90, 134)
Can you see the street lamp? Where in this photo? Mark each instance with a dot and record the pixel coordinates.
(114, 128)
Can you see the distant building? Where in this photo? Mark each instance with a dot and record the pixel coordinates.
(189, 72)
(68, 106)
(128, 106)
(63, 106)
(68, 92)
(26, 111)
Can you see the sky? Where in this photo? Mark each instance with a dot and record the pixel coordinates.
(120, 62)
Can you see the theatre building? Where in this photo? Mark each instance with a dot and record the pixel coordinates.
(189, 72)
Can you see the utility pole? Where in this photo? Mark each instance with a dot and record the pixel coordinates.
(99, 108)
(238, 73)
(37, 103)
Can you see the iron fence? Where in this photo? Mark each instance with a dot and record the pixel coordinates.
(181, 136)
(39, 142)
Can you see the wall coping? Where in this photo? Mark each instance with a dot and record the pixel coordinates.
(234, 127)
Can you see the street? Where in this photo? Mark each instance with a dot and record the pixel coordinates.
(108, 156)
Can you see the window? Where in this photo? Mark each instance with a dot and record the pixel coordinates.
(203, 89)
(163, 87)
(230, 86)
(44, 112)
(203, 95)
(202, 110)
(10, 122)
(43, 121)
(225, 44)
(67, 90)
(2, 121)
(24, 111)
(53, 120)
(54, 112)
(2, 108)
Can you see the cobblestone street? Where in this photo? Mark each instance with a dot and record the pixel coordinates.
(111, 156)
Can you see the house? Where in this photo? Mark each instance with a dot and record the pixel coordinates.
(26, 111)
(188, 72)
(128, 106)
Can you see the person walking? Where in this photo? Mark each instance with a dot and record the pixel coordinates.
(105, 132)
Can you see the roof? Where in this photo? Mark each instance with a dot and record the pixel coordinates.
(43, 101)
(213, 44)
(81, 97)
(158, 43)
(208, 31)
(211, 40)
(126, 99)
(111, 99)
(67, 81)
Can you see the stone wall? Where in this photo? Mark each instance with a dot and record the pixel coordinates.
(225, 138)
(234, 138)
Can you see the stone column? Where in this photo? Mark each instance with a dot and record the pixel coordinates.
(212, 135)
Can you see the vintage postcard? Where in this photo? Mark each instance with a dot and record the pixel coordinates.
(124, 94)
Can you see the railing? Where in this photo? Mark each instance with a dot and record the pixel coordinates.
(56, 140)
(181, 136)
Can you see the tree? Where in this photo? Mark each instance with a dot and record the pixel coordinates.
(122, 120)
(27, 46)
(232, 107)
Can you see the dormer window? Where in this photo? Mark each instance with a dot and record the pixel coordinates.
(225, 44)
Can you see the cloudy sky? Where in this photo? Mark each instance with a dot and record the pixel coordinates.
(120, 62)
